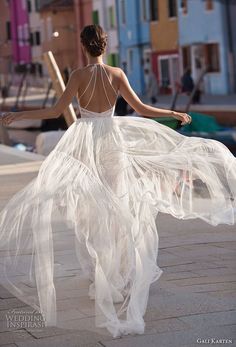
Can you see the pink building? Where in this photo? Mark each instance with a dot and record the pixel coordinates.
(20, 32)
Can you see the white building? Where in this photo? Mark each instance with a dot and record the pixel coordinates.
(35, 23)
(104, 14)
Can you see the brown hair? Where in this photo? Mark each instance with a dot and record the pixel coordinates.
(94, 39)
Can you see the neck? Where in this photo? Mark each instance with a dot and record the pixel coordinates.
(94, 60)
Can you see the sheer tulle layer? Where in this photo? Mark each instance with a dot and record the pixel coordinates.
(101, 189)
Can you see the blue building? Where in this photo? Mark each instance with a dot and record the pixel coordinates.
(204, 42)
(134, 40)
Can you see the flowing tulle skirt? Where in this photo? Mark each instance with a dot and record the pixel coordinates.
(101, 188)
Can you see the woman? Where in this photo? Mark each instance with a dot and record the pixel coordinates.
(107, 179)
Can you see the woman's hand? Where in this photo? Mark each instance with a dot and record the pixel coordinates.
(183, 117)
(9, 117)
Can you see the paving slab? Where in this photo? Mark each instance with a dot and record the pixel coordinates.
(194, 298)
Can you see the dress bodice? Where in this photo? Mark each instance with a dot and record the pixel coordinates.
(84, 111)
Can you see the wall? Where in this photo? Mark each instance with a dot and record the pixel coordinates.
(83, 15)
(164, 31)
(20, 31)
(5, 45)
(64, 47)
(134, 36)
(202, 26)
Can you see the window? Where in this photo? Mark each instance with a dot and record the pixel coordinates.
(212, 57)
(186, 57)
(8, 30)
(113, 59)
(20, 35)
(31, 39)
(29, 7)
(165, 72)
(184, 6)
(26, 34)
(154, 10)
(40, 70)
(23, 4)
(111, 17)
(130, 60)
(37, 38)
(123, 12)
(209, 5)
(95, 16)
(172, 7)
(49, 28)
(144, 10)
(37, 5)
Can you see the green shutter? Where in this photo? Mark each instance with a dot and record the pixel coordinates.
(111, 17)
(95, 16)
(112, 59)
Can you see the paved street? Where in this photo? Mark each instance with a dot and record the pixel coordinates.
(194, 299)
(35, 97)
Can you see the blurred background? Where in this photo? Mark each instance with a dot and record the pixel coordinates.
(177, 54)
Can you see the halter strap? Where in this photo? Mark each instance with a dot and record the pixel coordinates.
(94, 75)
(88, 83)
(105, 90)
(109, 80)
(93, 89)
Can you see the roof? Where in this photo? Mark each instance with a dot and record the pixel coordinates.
(57, 5)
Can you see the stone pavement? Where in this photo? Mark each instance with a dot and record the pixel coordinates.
(194, 299)
(35, 98)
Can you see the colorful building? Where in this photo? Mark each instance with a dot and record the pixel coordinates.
(20, 32)
(83, 14)
(231, 33)
(36, 25)
(58, 26)
(6, 63)
(204, 42)
(104, 14)
(164, 43)
(134, 40)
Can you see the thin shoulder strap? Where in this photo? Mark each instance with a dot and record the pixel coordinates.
(109, 79)
(104, 88)
(88, 83)
(93, 86)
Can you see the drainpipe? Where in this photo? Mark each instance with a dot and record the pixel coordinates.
(232, 67)
(140, 46)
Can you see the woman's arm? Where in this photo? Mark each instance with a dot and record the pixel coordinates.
(49, 112)
(143, 109)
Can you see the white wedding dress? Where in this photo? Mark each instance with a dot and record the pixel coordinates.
(107, 179)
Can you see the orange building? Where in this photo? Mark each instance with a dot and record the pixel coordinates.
(164, 43)
(59, 33)
(83, 12)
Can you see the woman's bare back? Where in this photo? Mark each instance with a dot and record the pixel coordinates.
(98, 87)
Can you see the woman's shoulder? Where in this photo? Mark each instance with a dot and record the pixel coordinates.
(114, 69)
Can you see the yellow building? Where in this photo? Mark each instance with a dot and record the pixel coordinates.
(164, 43)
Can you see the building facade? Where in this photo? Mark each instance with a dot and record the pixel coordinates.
(58, 26)
(36, 25)
(20, 32)
(164, 43)
(6, 62)
(134, 40)
(231, 32)
(83, 16)
(203, 45)
(104, 14)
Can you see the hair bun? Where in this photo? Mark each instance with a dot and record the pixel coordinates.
(94, 39)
